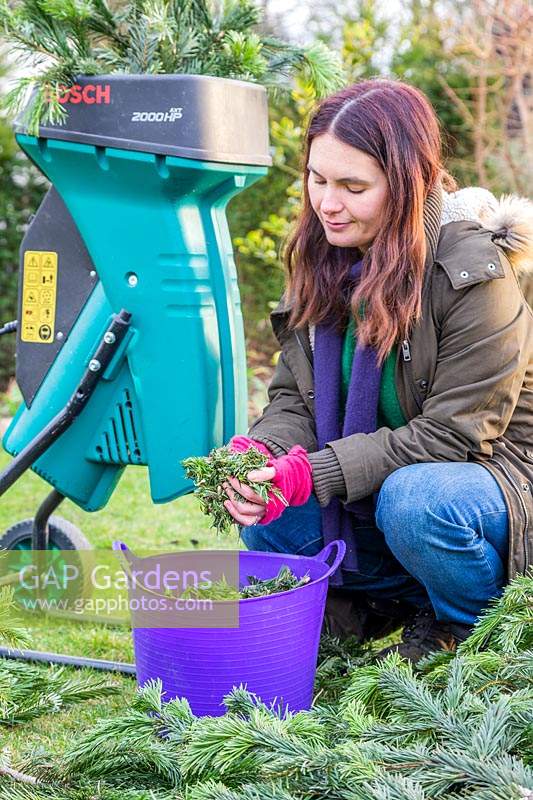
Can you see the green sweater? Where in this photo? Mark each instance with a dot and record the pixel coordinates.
(389, 412)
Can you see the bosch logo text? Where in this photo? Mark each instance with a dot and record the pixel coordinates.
(90, 94)
(157, 116)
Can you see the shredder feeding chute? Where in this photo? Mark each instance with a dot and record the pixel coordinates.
(135, 220)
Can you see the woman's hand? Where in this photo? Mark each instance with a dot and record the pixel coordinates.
(252, 510)
(291, 476)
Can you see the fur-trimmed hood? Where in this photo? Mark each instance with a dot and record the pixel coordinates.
(510, 219)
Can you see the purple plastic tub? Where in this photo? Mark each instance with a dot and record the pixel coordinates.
(273, 652)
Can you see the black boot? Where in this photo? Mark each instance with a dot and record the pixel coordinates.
(425, 634)
(352, 614)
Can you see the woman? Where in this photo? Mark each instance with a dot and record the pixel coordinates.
(401, 410)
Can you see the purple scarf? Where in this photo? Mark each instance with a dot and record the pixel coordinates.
(338, 519)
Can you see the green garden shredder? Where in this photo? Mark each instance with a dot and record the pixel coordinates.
(130, 346)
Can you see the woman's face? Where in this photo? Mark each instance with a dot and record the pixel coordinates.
(348, 191)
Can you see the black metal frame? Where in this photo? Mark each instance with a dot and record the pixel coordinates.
(39, 537)
(100, 360)
(64, 419)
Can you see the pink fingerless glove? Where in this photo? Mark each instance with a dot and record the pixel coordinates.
(240, 444)
(293, 476)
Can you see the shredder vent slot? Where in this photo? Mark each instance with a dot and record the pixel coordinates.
(120, 442)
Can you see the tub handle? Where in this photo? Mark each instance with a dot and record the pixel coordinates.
(125, 556)
(325, 553)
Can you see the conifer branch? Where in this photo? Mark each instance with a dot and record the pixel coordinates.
(394, 733)
(77, 37)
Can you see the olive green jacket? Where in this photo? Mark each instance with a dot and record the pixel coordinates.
(464, 379)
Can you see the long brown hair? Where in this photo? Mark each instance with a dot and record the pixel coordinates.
(395, 124)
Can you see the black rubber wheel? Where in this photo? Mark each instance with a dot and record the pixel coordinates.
(63, 582)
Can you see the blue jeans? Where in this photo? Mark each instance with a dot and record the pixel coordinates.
(441, 536)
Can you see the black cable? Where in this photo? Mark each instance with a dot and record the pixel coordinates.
(73, 661)
(9, 327)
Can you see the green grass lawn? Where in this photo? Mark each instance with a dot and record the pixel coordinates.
(132, 517)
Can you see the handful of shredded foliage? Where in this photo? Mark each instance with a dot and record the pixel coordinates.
(210, 472)
(284, 581)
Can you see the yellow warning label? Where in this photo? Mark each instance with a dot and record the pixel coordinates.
(39, 290)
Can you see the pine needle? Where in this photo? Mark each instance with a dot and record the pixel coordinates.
(12, 634)
(28, 691)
